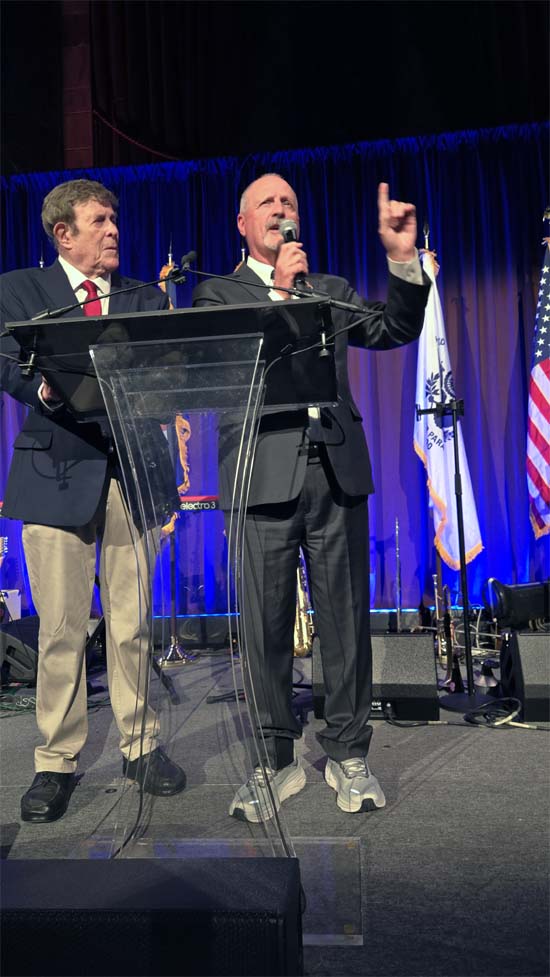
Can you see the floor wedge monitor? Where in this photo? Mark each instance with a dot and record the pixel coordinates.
(19, 649)
(525, 673)
(190, 916)
(404, 678)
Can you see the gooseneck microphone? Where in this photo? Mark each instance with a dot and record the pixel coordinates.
(289, 232)
(187, 259)
(177, 276)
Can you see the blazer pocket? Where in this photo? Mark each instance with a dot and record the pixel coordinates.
(34, 440)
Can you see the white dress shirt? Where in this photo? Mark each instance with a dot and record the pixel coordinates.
(103, 285)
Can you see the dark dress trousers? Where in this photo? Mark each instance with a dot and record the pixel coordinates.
(60, 464)
(319, 504)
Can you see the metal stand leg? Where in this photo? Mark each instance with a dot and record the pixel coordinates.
(175, 655)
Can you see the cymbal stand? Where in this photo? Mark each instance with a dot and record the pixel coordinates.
(398, 590)
(175, 655)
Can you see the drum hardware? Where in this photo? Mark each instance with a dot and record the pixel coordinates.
(486, 678)
(175, 655)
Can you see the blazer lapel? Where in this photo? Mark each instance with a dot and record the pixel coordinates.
(246, 278)
(58, 290)
(60, 293)
(118, 302)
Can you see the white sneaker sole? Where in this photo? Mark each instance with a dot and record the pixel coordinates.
(365, 802)
(264, 812)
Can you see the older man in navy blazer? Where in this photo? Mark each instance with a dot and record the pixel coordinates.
(309, 489)
(64, 483)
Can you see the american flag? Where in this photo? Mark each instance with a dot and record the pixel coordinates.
(538, 423)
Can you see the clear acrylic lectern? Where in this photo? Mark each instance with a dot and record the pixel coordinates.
(212, 370)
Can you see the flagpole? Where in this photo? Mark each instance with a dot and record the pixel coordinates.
(459, 701)
(456, 701)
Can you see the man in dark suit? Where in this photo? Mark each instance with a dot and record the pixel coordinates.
(309, 489)
(64, 483)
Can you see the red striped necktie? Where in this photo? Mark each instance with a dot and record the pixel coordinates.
(92, 308)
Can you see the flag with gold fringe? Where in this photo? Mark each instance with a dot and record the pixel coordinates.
(434, 438)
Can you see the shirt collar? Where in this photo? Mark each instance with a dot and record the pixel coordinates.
(261, 269)
(76, 278)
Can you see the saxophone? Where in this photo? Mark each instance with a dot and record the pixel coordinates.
(303, 625)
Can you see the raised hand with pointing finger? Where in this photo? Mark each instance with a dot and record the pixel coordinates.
(396, 226)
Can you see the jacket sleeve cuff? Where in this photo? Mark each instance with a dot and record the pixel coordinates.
(408, 271)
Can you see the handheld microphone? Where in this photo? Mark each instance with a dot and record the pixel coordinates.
(288, 230)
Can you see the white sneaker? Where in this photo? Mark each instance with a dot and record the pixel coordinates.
(254, 801)
(356, 787)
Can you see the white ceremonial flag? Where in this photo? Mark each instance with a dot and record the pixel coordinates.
(433, 436)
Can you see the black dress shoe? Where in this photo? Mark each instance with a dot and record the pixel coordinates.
(156, 773)
(48, 797)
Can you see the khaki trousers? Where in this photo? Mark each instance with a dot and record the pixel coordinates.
(61, 565)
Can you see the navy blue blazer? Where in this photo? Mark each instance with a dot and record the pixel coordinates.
(281, 458)
(60, 464)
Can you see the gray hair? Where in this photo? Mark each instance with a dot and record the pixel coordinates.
(60, 202)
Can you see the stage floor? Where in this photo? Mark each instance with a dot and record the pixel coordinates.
(450, 879)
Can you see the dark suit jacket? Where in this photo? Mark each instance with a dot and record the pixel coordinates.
(59, 464)
(281, 458)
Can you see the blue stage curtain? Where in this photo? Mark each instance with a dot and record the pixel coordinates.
(483, 193)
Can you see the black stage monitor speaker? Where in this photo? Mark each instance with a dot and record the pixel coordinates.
(525, 673)
(190, 916)
(19, 649)
(403, 676)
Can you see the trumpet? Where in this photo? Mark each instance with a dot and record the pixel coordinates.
(443, 626)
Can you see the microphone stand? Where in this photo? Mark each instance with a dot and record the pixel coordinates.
(301, 293)
(459, 701)
(176, 276)
(29, 368)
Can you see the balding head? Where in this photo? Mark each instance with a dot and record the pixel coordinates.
(264, 204)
